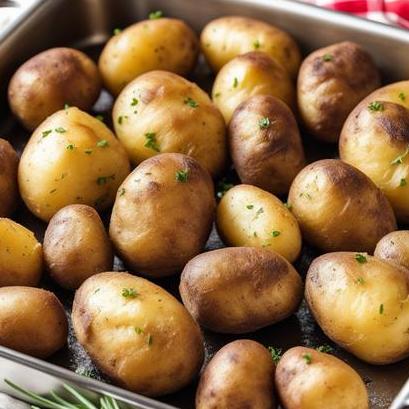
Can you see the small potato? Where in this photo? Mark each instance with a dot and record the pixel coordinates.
(72, 157)
(265, 144)
(8, 178)
(21, 255)
(249, 216)
(76, 246)
(160, 44)
(332, 80)
(250, 74)
(339, 208)
(361, 303)
(143, 338)
(308, 379)
(163, 112)
(32, 321)
(240, 375)
(240, 289)
(394, 248)
(51, 79)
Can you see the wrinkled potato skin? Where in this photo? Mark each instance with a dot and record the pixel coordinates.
(361, 306)
(76, 246)
(239, 225)
(51, 79)
(339, 208)
(328, 90)
(394, 248)
(8, 178)
(327, 382)
(163, 44)
(268, 157)
(148, 242)
(240, 289)
(161, 358)
(253, 73)
(52, 176)
(161, 109)
(32, 321)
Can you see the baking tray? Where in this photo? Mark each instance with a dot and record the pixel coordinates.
(87, 24)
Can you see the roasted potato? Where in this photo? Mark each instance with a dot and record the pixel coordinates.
(8, 178)
(265, 144)
(48, 81)
(240, 289)
(143, 338)
(163, 112)
(339, 208)
(394, 248)
(308, 379)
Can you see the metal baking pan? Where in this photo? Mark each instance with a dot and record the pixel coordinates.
(87, 24)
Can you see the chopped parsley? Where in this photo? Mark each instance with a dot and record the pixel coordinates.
(326, 349)
(249, 207)
(60, 130)
(275, 233)
(288, 205)
(259, 211)
(155, 15)
(129, 293)
(134, 102)
(360, 258)
(191, 102)
(182, 175)
(360, 281)
(264, 123)
(402, 96)
(151, 142)
(275, 354)
(66, 106)
(103, 143)
(235, 82)
(217, 94)
(100, 117)
(122, 191)
(402, 182)
(70, 147)
(46, 133)
(376, 106)
(399, 159)
(308, 358)
(121, 119)
(88, 151)
(327, 57)
(52, 191)
(116, 31)
(150, 340)
(381, 309)
(103, 180)
(222, 187)
(139, 330)
(256, 45)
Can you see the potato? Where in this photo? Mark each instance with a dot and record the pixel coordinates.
(240, 289)
(226, 384)
(71, 157)
(160, 44)
(360, 302)
(163, 214)
(227, 37)
(265, 144)
(253, 73)
(21, 255)
(308, 379)
(162, 112)
(8, 178)
(339, 208)
(48, 81)
(143, 338)
(394, 248)
(32, 321)
(332, 80)
(76, 246)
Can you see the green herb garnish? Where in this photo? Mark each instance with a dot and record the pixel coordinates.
(402, 96)
(235, 82)
(376, 106)
(249, 207)
(256, 45)
(222, 187)
(139, 330)
(275, 233)
(360, 281)
(46, 133)
(326, 349)
(129, 293)
(275, 354)
(308, 358)
(151, 142)
(360, 258)
(116, 31)
(182, 175)
(150, 340)
(103, 143)
(122, 191)
(264, 123)
(327, 57)
(134, 102)
(60, 130)
(102, 180)
(99, 117)
(381, 309)
(155, 15)
(402, 182)
(399, 159)
(191, 102)
(88, 151)
(70, 147)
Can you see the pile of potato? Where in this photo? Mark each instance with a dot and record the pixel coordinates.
(74, 167)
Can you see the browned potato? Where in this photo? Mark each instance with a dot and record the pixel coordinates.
(8, 178)
(394, 248)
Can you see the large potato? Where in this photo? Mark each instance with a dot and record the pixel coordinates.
(32, 321)
(71, 157)
(339, 208)
(265, 144)
(160, 44)
(143, 338)
(240, 289)
(163, 214)
(8, 178)
(249, 216)
(361, 303)
(51, 79)
(163, 112)
(308, 379)
(394, 248)
(226, 384)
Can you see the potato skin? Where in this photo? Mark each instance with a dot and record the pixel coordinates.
(147, 343)
(158, 103)
(32, 321)
(339, 208)
(267, 154)
(325, 382)
(394, 248)
(47, 81)
(162, 44)
(240, 289)
(225, 383)
(8, 178)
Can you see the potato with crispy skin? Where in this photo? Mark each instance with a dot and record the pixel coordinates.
(8, 178)
(394, 248)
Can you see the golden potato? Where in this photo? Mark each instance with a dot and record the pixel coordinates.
(265, 144)
(240, 289)
(394, 248)
(253, 73)
(21, 255)
(8, 178)
(163, 112)
(32, 321)
(163, 214)
(51, 79)
(226, 384)
(361, 303)
(339, 208)
(308, 379)
(71, 157)
(143, 338)
(160, 44)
